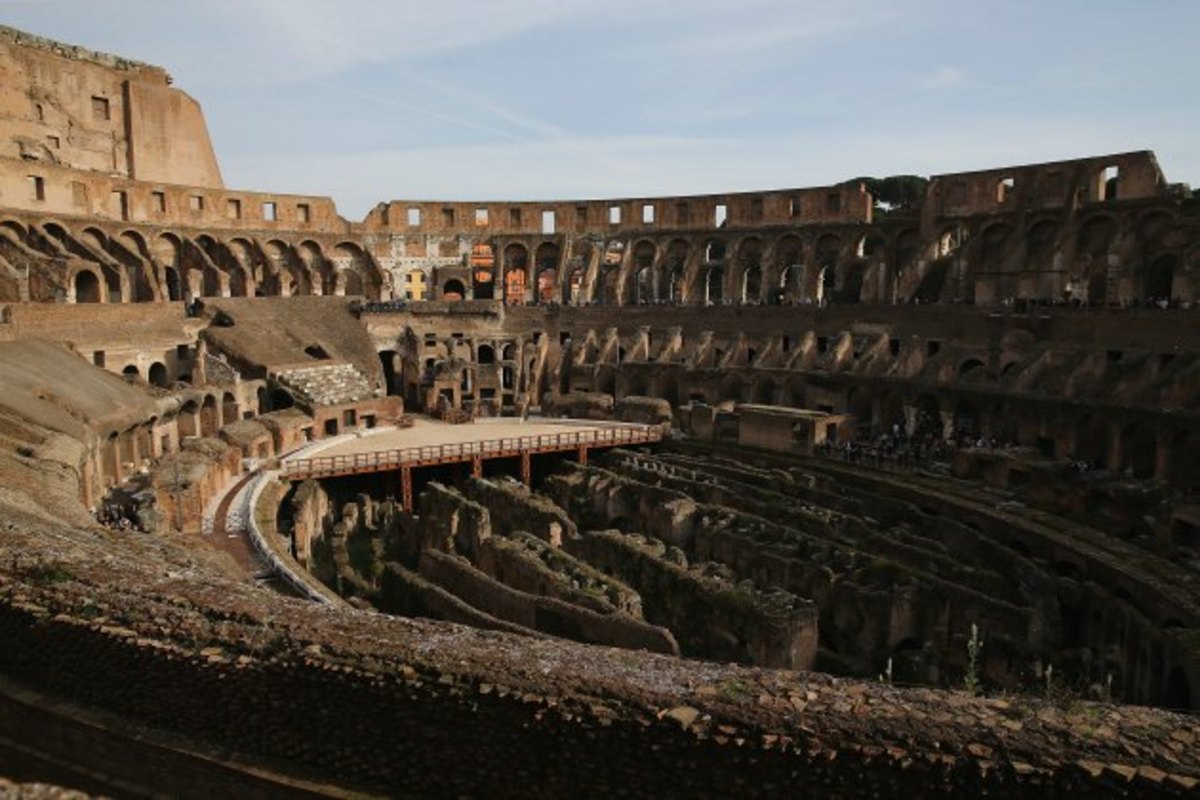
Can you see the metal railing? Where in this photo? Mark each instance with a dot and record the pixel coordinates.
(425, 455)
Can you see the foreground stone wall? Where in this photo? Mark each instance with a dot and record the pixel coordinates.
(393, 704)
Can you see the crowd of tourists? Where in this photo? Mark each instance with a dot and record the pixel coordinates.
(897, 449)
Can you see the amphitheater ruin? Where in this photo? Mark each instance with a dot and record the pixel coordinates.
(887, 487)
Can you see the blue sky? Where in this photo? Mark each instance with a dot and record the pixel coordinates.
(372, 100)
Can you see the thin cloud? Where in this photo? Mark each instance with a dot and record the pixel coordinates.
(945, 78)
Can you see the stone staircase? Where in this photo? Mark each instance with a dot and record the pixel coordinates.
(326, 385)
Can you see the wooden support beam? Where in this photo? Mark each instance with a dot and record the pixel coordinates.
(406, 489)
(526, 469)
(477, 467)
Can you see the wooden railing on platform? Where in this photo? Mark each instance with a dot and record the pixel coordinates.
(428, 455)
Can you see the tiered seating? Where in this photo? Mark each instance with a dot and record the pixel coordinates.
(327, 384)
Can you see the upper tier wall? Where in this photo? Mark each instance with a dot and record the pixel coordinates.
(66, 105)
(847, 202)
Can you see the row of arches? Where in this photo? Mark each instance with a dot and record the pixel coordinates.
(129, 267)
(1105, 256)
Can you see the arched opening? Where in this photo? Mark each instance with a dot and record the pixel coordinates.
(87, 287)
(1158, 283)
(870, 245)
(516, 262)
(547, 276)
(573, 290)
(642, 289)
(453, 289)
(674, 262)
(158, 375)
(389, 359)
(485, 354)
(237, 282)
(131, 373)
(352, 283)
(229, 408)
(789, 263)
(972, 367)
(281, 399)
(852, 284)
(483, 271)
(714, 250)
(714, 285)
(546, 266)
(209, 417)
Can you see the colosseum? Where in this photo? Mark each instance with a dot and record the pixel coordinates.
(883, 488)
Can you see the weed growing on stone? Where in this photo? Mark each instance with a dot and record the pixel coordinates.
(971, 682)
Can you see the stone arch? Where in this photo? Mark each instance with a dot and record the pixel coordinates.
(210, 417)
(546, 274)
(970, 366)
(714, 284)
(749, 267)
(158, 375)
(356, 273)
(516, 266)
(870, 245)
(789, 270)
(1158, 280)
(641, 287)
(485, 354)
(454, 290)
(285, 272)
(254, 280)
(674, 267)
(87, 287)
(320, 270)
(229, 408)
(715, 249)
(483, 271)
(573, 286)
